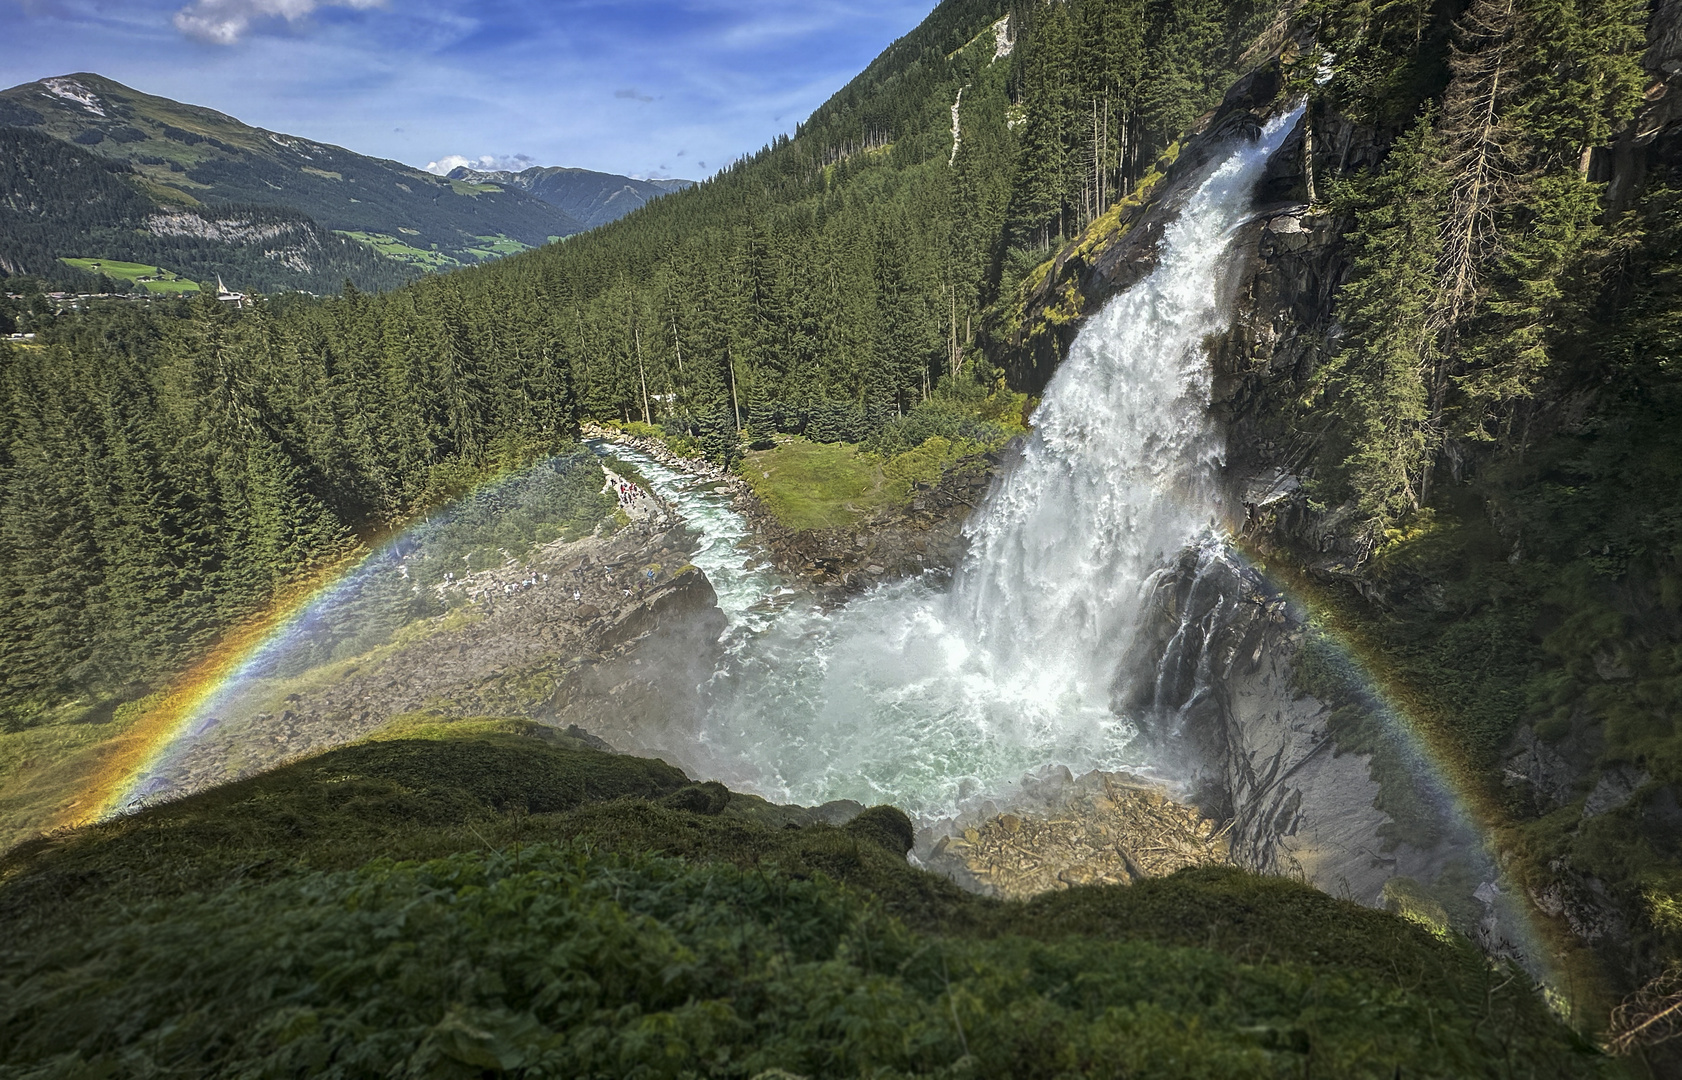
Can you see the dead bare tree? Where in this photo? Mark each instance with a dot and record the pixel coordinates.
(1483, 157)
(1651, 1015)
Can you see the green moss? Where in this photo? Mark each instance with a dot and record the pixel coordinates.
(810, 485)
(336, 810)
(464, 897)
(924, 464)
(1068, 303)
(1413, 902)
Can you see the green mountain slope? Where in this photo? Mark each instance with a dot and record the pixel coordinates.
(592, 198)
(62, 203)
(194, 155)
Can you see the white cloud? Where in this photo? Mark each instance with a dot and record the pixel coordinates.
(225, 22)
(483, 163)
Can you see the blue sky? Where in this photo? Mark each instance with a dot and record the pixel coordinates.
(645, 87)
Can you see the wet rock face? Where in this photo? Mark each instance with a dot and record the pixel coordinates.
(1212, 682)
(1102, 829)
(640, 687)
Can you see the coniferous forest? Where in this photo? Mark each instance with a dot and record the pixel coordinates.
(1488, 424)
(835, 281)
(831, 281)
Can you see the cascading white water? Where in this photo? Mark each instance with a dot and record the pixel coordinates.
(926, 698)
(747, 597)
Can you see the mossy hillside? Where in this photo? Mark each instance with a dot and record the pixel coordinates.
(480, 896)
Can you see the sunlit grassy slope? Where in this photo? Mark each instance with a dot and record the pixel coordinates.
(159, 280)
(489, 896)
(809, 485)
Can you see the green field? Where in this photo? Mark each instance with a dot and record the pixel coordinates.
(394, 248)
(488, 247)
(809, 485)
(152, 278)
(495, 247)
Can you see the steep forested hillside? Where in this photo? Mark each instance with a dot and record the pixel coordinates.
(1479, 401)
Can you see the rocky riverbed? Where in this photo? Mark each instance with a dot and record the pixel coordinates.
(1100, 829)
(612, 633)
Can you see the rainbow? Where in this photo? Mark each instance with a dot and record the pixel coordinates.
(1469, 818)
(124, 778)
(175, 718)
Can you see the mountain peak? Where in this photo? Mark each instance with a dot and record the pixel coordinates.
(594, 198)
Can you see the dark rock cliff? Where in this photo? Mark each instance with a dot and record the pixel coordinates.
(1218, 674)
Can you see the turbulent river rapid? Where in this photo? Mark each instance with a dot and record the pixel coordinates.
(932, 696)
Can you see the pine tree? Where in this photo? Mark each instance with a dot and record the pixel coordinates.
(1377, 385)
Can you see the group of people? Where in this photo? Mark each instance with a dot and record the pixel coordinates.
(629, 494)
(511, 587)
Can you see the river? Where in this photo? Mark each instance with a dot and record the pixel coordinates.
(933, 697)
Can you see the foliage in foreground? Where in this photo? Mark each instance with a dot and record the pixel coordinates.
(518, 923)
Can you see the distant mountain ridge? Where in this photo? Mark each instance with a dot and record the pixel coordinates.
(60, 202)
(191, 155)
(594, 198)
(185, 161)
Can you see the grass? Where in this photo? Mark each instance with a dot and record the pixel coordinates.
(393, 248)
(489, 247)
(164, 193)
(495, 247)
(48, 766)
(156, 279)
(487, 896)
(809, 485)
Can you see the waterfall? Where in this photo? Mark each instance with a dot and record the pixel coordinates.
(1120, 473)
(927, 698)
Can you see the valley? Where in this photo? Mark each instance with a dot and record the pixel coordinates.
(270, 212)
(1108, 550)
